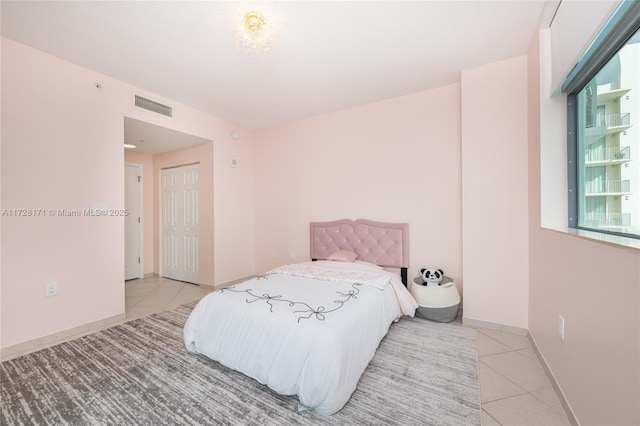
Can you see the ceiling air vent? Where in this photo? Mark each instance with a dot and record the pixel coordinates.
(153, 106)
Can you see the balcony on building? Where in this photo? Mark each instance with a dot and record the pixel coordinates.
(604, 125)
(607, 220)
(607, 94)
(607, 156)
(607, 187)
(614, 123)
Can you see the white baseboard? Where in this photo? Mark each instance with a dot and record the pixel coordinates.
(53, 339)
(474, 323)
(552, 379)
(227, 284)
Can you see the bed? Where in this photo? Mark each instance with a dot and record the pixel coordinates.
(310, 329)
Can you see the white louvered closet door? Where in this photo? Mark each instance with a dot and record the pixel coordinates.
(180, 223)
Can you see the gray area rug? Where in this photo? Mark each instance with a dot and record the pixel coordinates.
(139, 373)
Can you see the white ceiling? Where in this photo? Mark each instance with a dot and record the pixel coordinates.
(329, 56)
(153, 139)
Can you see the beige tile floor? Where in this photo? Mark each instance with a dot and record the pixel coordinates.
(155, 294)
(514, 389)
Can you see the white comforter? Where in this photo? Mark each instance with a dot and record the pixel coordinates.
(301, 329)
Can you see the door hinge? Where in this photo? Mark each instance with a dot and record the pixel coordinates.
(139, 177)
(138, 260)
(138, 220)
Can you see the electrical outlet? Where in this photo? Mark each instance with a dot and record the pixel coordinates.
(51, 289)
(274, 253)
(561, 327)
(292, 255)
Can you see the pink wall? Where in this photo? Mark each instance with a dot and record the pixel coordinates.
(203, 155)
(494, 193)
(1, 201)
(62, 148)
(234, 207)
(595, 286)
(148, 205)
(396, 160)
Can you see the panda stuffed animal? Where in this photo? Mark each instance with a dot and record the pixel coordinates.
(431, 277)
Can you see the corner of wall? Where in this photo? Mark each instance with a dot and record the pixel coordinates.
(494, 193)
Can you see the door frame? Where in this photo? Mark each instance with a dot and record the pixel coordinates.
(141, 213)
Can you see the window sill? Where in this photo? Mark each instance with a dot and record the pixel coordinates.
(612, 240)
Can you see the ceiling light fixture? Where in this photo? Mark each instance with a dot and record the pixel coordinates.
(254, 32)
(130, 145)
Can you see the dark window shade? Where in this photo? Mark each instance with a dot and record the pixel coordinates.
(624, 22)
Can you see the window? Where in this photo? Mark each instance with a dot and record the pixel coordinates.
(604, 130)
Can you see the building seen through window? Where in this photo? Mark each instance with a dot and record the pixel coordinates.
(608, 159)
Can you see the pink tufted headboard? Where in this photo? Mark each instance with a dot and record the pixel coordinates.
(382, 243)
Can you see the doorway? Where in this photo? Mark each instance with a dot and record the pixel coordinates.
(159, 148)
(133, 222)
(180, 187)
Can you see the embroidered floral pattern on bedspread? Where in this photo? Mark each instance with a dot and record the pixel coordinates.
(306, 310)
